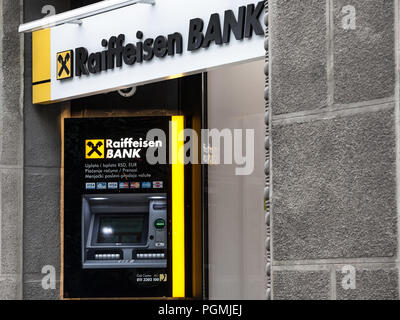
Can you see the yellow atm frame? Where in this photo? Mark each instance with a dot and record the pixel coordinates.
(178, 208)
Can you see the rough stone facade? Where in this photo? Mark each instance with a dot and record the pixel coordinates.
(334, 101)
(11, 150)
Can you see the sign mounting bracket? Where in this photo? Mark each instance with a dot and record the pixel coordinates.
(75, 16)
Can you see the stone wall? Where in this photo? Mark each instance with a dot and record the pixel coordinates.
(335, 134)
(11, 150)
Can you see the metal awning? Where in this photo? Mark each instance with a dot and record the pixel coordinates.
(75, 16)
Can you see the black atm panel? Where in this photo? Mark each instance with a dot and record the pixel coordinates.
(117, 211)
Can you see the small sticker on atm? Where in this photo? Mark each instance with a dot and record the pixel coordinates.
(124, 185)
(90, 186)
(113, 185)
(158, 185)
(135, 185)
(146, 185)
(163, 277)
(101, 186)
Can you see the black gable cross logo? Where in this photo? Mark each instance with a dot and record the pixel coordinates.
(94, 149)
(64, 65)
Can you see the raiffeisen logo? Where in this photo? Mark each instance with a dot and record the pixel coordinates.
(125, 148)
(94, 149)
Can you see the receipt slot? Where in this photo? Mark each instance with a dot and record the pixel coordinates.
(124, 231)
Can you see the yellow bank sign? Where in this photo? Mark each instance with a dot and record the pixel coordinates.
(124, 47)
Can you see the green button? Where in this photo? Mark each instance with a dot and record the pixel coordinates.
(159, 223)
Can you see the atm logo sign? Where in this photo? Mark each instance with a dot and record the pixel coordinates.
(95, 149)
(65, 65)
(125, 148)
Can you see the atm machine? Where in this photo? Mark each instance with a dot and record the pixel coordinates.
(124, 231)
(127, 225)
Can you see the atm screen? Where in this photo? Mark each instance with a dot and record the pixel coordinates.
(121, 229)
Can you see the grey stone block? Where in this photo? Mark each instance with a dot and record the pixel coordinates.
(334, 189)
(11, 221)
(299, 55)
(364, 58)
(11, 137)
(12, 80)
(11, 11)
(42, 149)
(9, 289)
(301, 285)
(379, 284)
(33, 289)
(41, 220)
